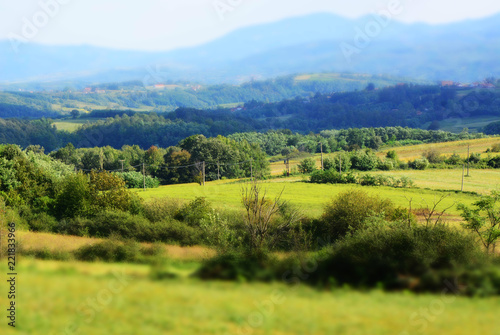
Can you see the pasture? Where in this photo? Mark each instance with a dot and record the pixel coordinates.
(95, 298)
(310, 198)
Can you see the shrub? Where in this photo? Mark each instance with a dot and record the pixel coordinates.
(42, 222)
(76, 226)
(122, 224)
(391, 154)
(386, 165)
(333, 163)
(238, 266)
(135, 227)
(495, 147)
(349, 210)
(307, 165)
(494, 162)
(419, 258)
(156, 210)
(332, 177)
(109, 251)
(175, 232)
(419, 164)
(135, 179)
(454, 160)
(475, 158)
(364, 160)
(194, 212)
(433, 156)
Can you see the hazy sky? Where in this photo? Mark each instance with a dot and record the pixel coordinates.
(168, 24)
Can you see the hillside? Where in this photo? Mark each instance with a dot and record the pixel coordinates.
(312, 43)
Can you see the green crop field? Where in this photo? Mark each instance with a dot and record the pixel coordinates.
(94, 298)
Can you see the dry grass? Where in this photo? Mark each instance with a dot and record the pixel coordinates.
(53, 242)
(447, 148)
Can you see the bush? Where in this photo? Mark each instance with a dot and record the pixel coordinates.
(364, 160)
(419, 258)
(494, 162)
(433, 156)
(386, 165)
(42, 222)
(453, 160)
(419, 164)
(332, 177)
(156, 210)
(307, 165)
(238, 266)
(495, 147)
(348, 211)
(333, 163)
(176, 232)
(76, 226)
(110, 251)
(135, 179)
(195, 212)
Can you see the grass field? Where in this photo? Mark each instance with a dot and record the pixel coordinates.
(94, 298)
(72, 125)
(311, 198)
(456, 125)
(446, 148)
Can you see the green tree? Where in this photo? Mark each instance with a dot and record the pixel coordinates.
(308, 165)
(484, 220)
(75, 113)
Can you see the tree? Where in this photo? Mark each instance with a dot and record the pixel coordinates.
(484, 220)
(349, 211)
(307, 165)
(266, 221)
(75, 113)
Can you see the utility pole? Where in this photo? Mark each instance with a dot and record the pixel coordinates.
(463, 172)
(321, 146)
(101, 159)
(468, 159)
(121, 161)
(251, 170)
(287, 166)
(144, 176)
(203, 173)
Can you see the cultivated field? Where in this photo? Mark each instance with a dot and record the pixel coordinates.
(94, 298)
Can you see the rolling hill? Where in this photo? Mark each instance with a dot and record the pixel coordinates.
(464, 51)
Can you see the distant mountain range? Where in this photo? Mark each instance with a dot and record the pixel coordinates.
(464, 51)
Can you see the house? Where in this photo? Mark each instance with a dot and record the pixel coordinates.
(447, 83)
(87, 90)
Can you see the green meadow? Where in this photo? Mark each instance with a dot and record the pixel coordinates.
(95, 298)
(310, 198)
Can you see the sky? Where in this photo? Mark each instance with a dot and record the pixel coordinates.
(170, 24)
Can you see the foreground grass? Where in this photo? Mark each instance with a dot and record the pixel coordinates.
(53, 296)
(311, 198)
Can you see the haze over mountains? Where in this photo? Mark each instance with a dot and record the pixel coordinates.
(463, 51)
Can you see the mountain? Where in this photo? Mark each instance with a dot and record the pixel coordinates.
(463, 51)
